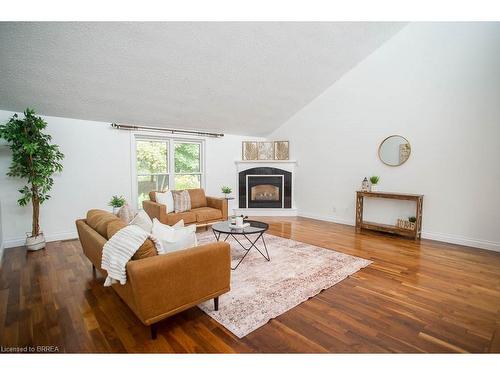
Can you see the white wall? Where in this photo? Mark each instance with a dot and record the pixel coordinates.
(221, 169)
(438, 85)
(97, 165)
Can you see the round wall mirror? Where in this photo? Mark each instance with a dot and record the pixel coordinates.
(394, 150)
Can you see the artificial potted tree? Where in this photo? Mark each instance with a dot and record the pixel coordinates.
(35, 160)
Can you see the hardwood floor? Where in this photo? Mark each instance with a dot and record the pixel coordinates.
(414, 297)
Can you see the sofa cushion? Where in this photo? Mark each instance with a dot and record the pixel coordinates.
(198, 198)
(142, 220)
(175, 237)
(188, 217)
(114, 227)
(166, 198)
(147, 249)
(207, 214)
(93, 216)
(99, 220)
(126, 213)
(182, 201)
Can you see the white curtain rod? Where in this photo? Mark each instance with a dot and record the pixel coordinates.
(166, 130)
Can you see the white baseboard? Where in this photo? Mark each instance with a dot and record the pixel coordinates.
(60, 236)
(442, 237)
(325, 218)
(266, 211)
(459, 240)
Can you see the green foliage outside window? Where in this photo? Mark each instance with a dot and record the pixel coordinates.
(187, 158)
(152, 157)
(153, 167)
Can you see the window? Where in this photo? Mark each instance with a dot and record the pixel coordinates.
(163, 164)
(187, 165)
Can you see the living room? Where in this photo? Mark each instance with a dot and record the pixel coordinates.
(249, 187)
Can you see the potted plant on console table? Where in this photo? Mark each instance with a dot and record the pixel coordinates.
(33, 159)
(374, 181)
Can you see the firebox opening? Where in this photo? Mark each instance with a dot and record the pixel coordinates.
(265, 193)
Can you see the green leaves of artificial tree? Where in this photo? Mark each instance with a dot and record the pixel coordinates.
(33, 157)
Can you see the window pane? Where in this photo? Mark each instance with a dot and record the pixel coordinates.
(151, 157)
(145, 184)
(187, 158)
(187, 181)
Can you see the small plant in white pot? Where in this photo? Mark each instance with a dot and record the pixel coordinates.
(117, 202)
(35, 160)
(374, 182)
(226, 190)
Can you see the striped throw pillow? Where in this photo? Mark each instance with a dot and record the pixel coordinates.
(182, 201)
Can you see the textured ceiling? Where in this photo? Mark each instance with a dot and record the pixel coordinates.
(240, 78)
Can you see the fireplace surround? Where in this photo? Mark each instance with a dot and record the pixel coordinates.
(265, 187)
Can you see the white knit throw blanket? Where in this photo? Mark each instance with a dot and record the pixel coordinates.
(120, 249)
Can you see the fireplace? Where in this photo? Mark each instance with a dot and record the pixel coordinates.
(265, 187)
(264, 191)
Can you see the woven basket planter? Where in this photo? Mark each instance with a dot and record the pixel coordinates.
(405, 224)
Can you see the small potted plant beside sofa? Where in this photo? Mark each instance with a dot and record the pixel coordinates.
(226, 190)
(117, 202)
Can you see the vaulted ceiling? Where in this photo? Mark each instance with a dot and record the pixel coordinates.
(240, 78)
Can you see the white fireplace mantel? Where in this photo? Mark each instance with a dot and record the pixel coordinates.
(287, 165)
(265, 161)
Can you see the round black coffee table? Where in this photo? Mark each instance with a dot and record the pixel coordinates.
(256, 227)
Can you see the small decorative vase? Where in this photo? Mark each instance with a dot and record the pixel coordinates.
(364, 185)
(115, 210)
(373, 187)
(239, 221)
(36, 242)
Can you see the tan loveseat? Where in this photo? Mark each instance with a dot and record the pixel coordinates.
(204, 209)
(159, 286)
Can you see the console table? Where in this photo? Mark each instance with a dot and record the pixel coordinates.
(360, 224)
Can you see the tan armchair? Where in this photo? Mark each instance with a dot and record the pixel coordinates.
(204, 210)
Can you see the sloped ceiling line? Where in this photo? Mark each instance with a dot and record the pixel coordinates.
(232, 77)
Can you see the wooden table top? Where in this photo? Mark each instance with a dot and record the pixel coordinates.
(388, 194)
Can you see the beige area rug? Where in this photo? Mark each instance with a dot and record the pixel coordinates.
(262, 290)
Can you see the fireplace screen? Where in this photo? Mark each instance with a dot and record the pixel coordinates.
(265, 193)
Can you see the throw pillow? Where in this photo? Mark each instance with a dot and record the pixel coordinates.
(143, 220)
(174, 238)
(126, 213)
(182, 201)
(167, 199)
(166, 232)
